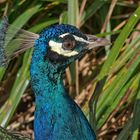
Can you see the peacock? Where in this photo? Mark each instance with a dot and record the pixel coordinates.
(57, 116)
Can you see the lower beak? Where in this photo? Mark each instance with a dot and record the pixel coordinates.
(95, 42)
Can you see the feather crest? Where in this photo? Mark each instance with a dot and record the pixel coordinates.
(13, 41)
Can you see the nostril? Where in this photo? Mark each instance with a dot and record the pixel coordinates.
(98, 39)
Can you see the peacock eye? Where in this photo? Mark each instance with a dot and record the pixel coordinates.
(68, 44)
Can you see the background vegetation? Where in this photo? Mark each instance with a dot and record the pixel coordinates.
(105, 83)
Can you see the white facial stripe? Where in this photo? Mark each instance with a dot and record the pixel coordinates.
(80, 39)
(64, 35)
(54, 44)
(57, 47)
(76, 38)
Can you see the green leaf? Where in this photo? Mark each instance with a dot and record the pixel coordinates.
(119, 43)
(136, 119)
(107, 100)
(40, 26)
(20, 84)
(73, 12)
(63, 18)
(92, 9)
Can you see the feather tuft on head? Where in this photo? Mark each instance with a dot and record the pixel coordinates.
(13, 41)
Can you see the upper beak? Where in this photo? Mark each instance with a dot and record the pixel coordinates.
(95, 42)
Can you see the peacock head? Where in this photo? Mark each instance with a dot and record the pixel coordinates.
(62, 44)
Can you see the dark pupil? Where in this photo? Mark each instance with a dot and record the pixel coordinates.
(69, 44)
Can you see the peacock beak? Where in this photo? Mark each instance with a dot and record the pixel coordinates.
(95, 42)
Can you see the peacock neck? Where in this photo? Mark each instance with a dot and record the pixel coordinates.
(47, 85)
(50, 97)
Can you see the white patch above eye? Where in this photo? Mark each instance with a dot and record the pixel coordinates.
(57, 47)
(64, 35)
(80, 39)
(77, 38)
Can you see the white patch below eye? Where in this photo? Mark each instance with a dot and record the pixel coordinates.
(57, 47)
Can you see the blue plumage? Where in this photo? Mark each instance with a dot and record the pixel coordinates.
(57, 116)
